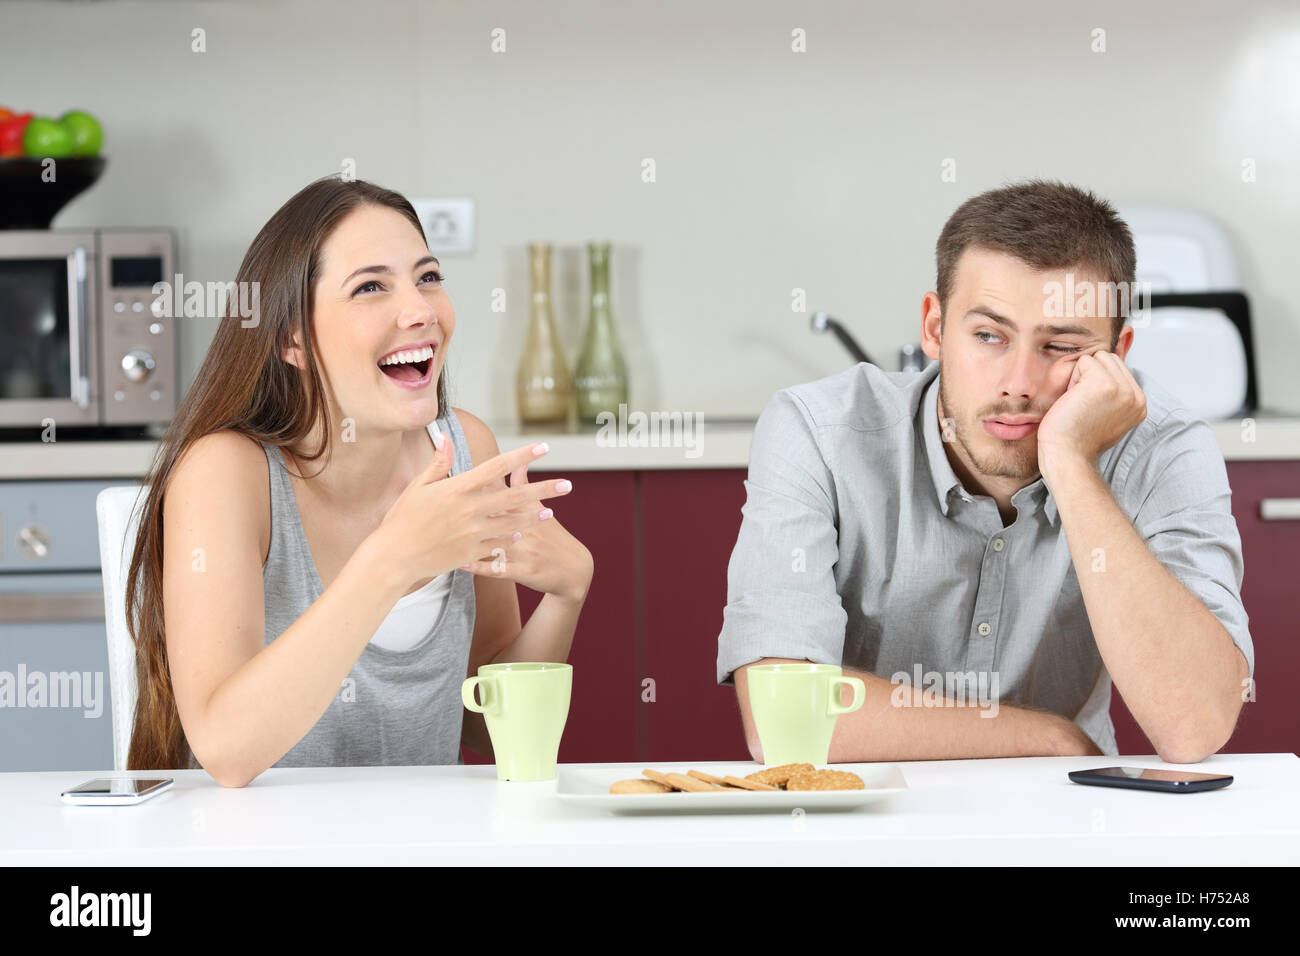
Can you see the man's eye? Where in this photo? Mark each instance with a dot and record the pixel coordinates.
(1064, 348)
(980, 336)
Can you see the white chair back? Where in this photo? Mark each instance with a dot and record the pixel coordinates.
(118, 513)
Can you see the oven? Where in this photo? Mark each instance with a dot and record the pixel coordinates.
(55, 712)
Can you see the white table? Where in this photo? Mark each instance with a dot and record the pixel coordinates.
(980, 812)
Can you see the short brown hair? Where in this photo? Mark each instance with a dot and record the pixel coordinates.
(1046, 225)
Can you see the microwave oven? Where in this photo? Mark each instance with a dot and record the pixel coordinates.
(87, 348)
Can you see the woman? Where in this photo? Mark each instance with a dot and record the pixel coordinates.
(290, 619)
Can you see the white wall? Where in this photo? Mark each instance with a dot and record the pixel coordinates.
(775, 170)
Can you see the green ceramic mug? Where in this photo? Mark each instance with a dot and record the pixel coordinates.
(795, 707)
(525, 706)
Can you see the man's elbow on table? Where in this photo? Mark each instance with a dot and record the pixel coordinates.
(1193, 749)
(1196, 743)
(1183, 754)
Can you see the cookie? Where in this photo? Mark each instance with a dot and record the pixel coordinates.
(777, 776)
(658, 777)
(691, 784)
(748, 784)
(639, 786)
(825, 780)
(706, 777)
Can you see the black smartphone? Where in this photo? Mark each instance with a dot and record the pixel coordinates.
(1170, 781)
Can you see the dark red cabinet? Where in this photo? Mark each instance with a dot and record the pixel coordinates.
(662, 539)
(691, 519)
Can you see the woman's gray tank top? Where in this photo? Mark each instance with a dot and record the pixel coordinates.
(395, 707)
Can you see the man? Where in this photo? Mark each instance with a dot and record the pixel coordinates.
(990, 543)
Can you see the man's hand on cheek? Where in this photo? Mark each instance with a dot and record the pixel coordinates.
(1101, 404)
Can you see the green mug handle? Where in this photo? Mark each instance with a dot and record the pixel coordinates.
(484, 684)
(859, 695)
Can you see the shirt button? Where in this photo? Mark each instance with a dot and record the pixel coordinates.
(997, 544)
(984, 628)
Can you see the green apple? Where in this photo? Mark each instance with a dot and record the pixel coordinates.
(46, 137)
(87, 135)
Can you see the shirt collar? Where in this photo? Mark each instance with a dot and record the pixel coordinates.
(945, 480)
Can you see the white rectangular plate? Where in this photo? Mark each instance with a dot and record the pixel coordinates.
(589, 787)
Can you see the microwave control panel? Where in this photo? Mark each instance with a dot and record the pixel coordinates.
(138, 345)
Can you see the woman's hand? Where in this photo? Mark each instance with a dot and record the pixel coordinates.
(543, 556)
(440, 523)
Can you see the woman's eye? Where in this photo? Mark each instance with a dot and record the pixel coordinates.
(436, 276)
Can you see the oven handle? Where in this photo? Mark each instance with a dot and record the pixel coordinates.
(77, 327)
(77, 606)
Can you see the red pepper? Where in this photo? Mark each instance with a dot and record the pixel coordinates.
(11, 135)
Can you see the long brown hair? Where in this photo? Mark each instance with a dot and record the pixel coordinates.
(246, 386)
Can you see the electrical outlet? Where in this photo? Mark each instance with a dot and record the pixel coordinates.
(448, 224)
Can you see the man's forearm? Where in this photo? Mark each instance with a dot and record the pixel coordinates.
(1174, 664)
(896, 722)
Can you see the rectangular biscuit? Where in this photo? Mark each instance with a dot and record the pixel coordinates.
(706, 777)
(683, 782)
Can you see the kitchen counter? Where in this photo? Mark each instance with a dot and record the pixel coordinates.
(1018, 811)
(722, 444)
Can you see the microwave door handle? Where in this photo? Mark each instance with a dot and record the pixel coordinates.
(77, 327)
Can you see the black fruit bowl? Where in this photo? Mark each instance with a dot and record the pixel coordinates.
(27, 201)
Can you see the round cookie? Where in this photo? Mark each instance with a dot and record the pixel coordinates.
(825, 780)
(777, 776)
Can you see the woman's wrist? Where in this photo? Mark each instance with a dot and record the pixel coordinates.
(380, 564)
(569, 599)
(576, 593)
(571, 594)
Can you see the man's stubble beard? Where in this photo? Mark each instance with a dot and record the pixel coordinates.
(1019, 460)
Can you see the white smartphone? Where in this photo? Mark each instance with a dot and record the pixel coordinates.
(115, 792)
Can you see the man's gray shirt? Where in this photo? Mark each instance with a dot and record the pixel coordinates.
(860, 547)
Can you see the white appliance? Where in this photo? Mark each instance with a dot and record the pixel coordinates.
(1197, 352)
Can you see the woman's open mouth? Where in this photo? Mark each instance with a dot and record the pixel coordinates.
(410, 368)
